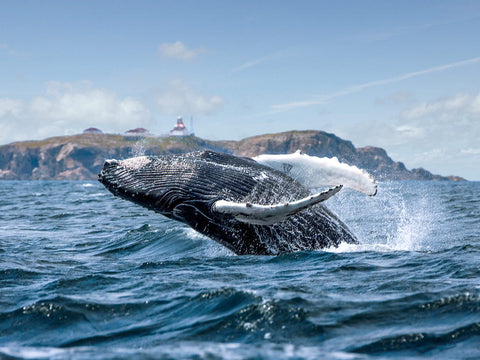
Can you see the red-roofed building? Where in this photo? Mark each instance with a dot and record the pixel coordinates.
(138, 132)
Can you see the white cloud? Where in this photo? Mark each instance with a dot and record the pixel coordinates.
(460, 104)
(11, 107)
(457, 115)
(180, 98)
(409, 131)
(178, 50)
(471, 151)
(67, 103)
(352, 89)
(452, 121)
(440, 135)
(69, 108)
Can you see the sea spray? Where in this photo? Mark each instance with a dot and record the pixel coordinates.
(400, 218)
(139, 148)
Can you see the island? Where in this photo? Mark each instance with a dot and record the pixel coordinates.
(81, 156)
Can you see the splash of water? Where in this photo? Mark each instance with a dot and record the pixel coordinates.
(394, 220)
(139, 148)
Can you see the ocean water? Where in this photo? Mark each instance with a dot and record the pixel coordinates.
(85, 275)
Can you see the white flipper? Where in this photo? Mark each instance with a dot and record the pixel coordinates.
(270, 214)
(314, 172)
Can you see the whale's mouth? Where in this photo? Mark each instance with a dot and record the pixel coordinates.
(103, 176)
(108, 175)
(121, 181)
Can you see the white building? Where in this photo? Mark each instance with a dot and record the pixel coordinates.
(180, 129)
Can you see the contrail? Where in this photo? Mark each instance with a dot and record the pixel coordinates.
(323, 99)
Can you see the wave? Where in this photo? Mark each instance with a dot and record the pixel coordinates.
(219, 315)
(227, 318)
(421, 343)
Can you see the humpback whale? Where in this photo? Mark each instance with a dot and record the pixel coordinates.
(251, 206)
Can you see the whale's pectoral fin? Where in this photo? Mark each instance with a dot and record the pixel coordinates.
(270, 214)
(314, 172)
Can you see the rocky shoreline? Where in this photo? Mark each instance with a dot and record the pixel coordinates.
(80, 157)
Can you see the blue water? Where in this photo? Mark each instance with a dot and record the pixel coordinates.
(85, 275)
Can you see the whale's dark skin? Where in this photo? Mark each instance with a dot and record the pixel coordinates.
(184, 188)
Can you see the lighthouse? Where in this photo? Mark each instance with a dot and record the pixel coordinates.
(180, 129)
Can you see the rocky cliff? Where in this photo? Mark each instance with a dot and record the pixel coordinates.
(80, 157)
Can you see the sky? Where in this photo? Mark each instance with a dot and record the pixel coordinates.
(401, 75)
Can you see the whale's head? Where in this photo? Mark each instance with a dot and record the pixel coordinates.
(169, 185)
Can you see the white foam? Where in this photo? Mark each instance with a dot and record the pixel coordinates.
(375, 247)
(32, 352)
(135, 163)
(314, 172)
